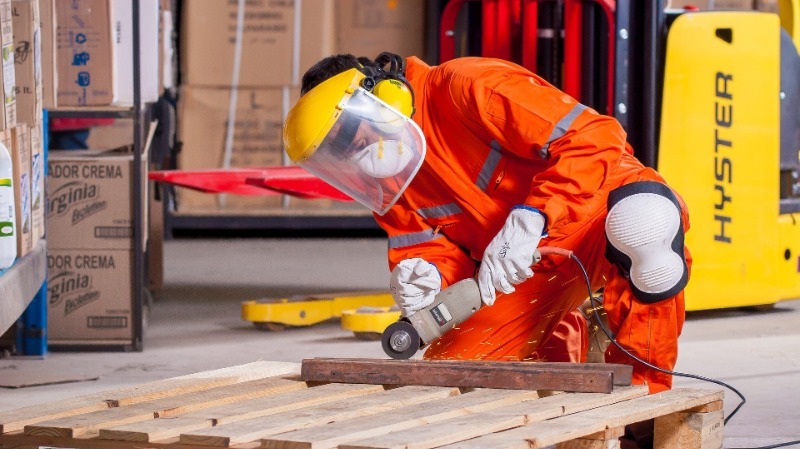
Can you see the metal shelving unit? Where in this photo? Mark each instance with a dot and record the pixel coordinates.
(23, 288)
(136, 113)
(285, 220)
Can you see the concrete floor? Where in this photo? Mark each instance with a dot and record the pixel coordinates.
(195, 325)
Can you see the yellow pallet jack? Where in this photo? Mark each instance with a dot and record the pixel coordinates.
(279, 314)
(368, 323)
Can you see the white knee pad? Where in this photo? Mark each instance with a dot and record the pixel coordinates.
(645, 238)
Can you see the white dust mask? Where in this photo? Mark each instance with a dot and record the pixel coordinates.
(383, 159)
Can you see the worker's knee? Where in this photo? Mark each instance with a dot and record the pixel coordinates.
(644, 234)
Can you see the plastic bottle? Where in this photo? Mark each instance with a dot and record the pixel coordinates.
(8, 238)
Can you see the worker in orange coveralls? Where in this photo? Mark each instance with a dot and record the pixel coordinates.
(495, 163)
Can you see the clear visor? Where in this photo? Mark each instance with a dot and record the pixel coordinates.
(371, 153)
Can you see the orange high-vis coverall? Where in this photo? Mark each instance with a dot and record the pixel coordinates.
(500, 136)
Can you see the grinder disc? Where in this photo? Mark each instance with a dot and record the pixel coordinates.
(400, 340)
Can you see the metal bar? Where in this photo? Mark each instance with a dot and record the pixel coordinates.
(138, 218)
(268, 223)
(590, 75)
(654, 38)
(503, 25)
(609, 7)
(489, 16)
(33, 336)
(433, 14)
(573, 56)
(530, 30)
(549, 41)
(621, 92)
(86, 112)
(447, 30)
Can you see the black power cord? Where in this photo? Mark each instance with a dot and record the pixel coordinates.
(596, 306)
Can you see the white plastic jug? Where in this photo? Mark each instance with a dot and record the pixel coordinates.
(8, 238)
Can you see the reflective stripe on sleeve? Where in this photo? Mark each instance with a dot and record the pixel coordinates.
(561, 128)
(439, 211)
(401, 241)
(492, 159)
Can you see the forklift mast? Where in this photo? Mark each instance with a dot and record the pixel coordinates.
(607, 54)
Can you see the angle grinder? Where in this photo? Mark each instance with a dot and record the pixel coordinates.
(451, 307)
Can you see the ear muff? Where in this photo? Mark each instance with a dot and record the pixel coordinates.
(389, 84)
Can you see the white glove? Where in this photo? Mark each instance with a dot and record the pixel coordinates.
(508, 258)
(414, 284)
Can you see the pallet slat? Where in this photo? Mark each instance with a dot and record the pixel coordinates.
(15, 420)
(446, 424)
(472, 426)
(331, 435)
(89, 424)
(536, 376)
(370, 405)
(543, 434)
(160, 429)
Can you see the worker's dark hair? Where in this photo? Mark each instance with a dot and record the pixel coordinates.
(331, 66)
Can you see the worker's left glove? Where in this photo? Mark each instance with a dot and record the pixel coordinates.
(414, 284)
(508, 258)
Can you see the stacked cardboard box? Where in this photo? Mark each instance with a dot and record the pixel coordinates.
(18, 142)
(28, 58)
(47, 15)
(232, 107)
(90, 220)
(7, 78)
(94, 52)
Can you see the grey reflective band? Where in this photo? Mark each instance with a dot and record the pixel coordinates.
(488, 166)
(415, 238)
(561, 128)
(439, 211)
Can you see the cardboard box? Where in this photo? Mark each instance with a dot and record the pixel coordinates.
(89, 200)
(28, 61)
(89, 295)
(167, 55)
(49, 74)
(21, 160)
(369, 27)
(122, 25)
(84, 52)
(37, 183)
(273, 52)
(9, 116)
(95, 52)
(257, 137)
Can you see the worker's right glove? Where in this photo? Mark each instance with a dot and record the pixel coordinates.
(414, 284)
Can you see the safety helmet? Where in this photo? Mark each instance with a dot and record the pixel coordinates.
(355, 140)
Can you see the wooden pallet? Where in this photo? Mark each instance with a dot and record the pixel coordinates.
(265, 404)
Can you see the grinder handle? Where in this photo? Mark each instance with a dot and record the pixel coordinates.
(548, 250)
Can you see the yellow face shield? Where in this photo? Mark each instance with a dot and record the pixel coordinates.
(366, 149)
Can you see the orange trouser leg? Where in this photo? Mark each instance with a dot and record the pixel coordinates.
(649, 331)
